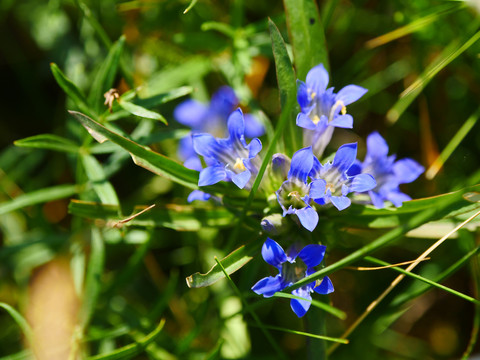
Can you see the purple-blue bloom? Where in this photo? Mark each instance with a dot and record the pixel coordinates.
(331, 182)
(388, 173)
(292, 267)
(210, 118)
(293, 193)
(322, 110)
(230, 158)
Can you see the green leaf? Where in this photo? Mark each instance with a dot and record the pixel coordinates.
(39, 196)
(20, 320)
(141, 111)
(306, 35)
(93, 283)
(142, 156)
(450, 53)
(106, 75)
(177, 217)
(132, 350)
(96, 175)
(286, 85)
(232, 262)
(190, 6)
(48, 141)
(72, 91)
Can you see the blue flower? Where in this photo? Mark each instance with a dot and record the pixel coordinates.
(292, 267)
(210, 118)
(230, 158)
(331, 182)
(293, 193)
(322, 110)
(388, 173)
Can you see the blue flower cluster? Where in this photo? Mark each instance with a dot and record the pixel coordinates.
(302, 185)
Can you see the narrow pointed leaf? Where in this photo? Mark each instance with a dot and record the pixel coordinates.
(141, 111)
(72, 91)
(234, 261)
(142, 156)
(48, 141)
(19, 319)
(106, 75)
(286, 84)
(306, 35)
(101, 185)
(39, 197)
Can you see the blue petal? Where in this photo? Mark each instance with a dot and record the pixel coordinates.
(345, 157)
(340, 202)
(397, 198)
(211, 175)
(342, 121)
(363, 182)
(308, 217)
(253, 128)
(377, 199)
(191, 113)
(312, 255)
(273, 253)
(198, 195)
(317, 189)
(236, 126)
(185, 147)
(325, 287)
(355, 169)
(407, 170)
(254, 148)
(193, 163)
(205, 145)
(302, 162)
(300, 307)
(302, 95)
(223, 101)
(317, 79)
(305, 122)
(350, 94)
(316, 168)
(376, 146)
(268, 286)
(241, 179)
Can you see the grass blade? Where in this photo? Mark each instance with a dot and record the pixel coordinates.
(40, 196)
(452, 145)
(450, 53)
(20, 320)
(132, 350)
(326, 307)
(48, 141)
(93, 281)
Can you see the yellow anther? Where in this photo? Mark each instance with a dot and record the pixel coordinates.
(312, 95)
(239, 165)
(294, 194)
(340, 103)
(316, 119)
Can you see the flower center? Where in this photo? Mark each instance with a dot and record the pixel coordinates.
(316, 119)
(293, 272)
(291, 193)
(239, 165)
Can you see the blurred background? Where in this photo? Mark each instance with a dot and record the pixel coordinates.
(420, 62)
